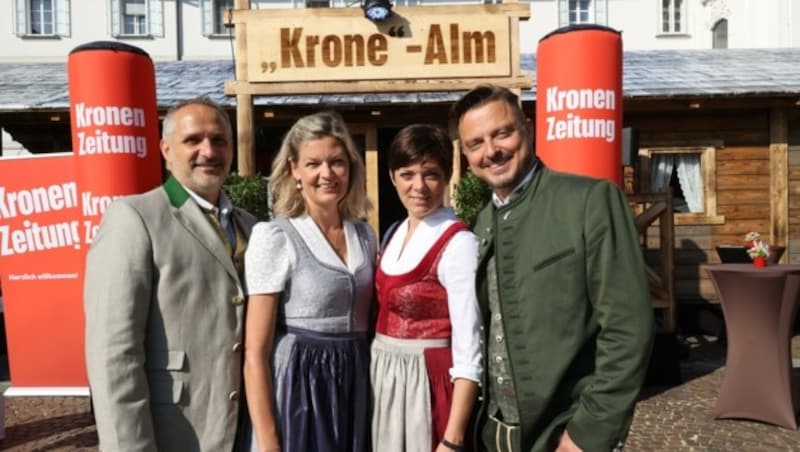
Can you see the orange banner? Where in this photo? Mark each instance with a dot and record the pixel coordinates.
(52, 204)
(41, 236)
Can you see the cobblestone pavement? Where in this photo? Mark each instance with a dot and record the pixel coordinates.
(674, 418)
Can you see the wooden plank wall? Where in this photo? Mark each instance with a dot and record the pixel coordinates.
(742, 186)
(794, 187)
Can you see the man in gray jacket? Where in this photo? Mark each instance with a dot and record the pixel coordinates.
(163, 299)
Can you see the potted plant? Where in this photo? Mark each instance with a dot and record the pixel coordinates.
(756, 248)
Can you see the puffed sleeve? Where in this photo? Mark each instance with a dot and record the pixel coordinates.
(269, 259)
(456, 272)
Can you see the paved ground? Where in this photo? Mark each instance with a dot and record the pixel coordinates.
(668, 418)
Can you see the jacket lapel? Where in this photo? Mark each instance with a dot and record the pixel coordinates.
(192, 218)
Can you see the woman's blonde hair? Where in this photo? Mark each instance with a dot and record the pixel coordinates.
(288, 200)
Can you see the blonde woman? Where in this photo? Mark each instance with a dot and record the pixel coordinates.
(309, 275)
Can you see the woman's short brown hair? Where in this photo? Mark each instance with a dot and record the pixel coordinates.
(419, 142)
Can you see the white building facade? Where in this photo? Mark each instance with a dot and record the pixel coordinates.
(47, 30)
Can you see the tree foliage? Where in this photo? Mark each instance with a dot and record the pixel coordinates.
(249, 193)
(471, 195)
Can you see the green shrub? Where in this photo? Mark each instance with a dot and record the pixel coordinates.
(249, 193)
(471, 195)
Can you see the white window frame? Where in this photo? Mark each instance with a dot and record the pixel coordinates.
(669, 11)
(708, 169)
(154, 19)
(214, 24)
(597, 11)
(59, 23)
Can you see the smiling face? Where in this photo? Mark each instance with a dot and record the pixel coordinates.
(421, 187)
(199, 150)
(323, 170)
(496, 145)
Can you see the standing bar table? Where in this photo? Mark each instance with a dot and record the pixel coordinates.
(759, 306)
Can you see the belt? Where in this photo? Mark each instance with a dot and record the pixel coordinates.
(502, 434)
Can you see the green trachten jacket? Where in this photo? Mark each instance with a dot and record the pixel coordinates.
(575, 307)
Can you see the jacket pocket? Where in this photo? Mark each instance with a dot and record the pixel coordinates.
(162, 366)
(550, 260)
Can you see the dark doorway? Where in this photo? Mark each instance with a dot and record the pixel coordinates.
(391, 208)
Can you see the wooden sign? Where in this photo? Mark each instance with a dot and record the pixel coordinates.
(340, 44)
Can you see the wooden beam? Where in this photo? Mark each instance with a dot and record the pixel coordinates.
(246, 156)
(521, 11)
(373, 176)
(643, 104)
(779, 178)
(240, 35)
(455, 178)
(244, 135)
(293, 88)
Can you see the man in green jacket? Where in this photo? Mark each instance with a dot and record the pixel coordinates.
(567, 320)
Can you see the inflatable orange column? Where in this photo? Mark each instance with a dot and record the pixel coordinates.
(579, 101)
(112, 93)
(115, 143)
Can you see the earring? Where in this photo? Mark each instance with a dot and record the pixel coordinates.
(299, 185)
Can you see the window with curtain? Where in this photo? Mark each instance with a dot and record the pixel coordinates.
(691, 173)
(137, 18)
(571, 12)
(682, 173)
(673, 16)
(42, 17)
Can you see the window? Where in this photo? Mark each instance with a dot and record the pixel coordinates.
(673, 16)
(137, 18)
(720, 34)
(42, 17)
(134, 17)
(691, 173)
(579, 11)
(571, 12)
(215, 15)
(318, 3)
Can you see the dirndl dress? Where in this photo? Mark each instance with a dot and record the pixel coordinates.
(320, 358)
(411, 356)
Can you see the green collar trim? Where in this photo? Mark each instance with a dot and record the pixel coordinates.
(175, 192)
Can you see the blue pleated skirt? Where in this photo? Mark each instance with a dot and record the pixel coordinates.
(322, 391)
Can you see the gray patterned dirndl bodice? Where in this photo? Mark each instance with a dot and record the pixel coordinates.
(322, 298)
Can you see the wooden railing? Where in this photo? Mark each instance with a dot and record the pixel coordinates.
(649, 208)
